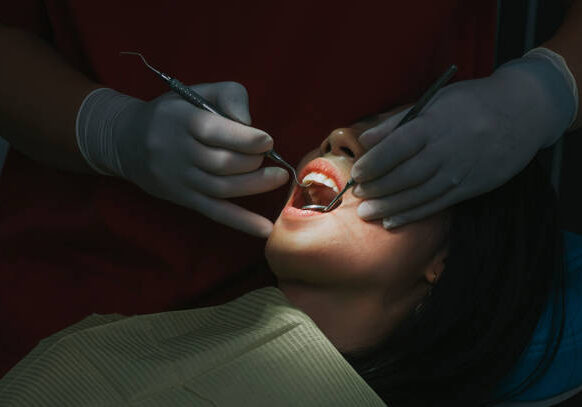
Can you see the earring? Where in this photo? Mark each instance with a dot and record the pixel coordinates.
(436, 277)
(420, 305)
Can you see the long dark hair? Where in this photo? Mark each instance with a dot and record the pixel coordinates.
(505, 257)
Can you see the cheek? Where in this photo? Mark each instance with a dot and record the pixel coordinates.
(351, 252)
(377, 256)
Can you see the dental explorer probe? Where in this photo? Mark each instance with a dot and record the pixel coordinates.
(197, 100)
(412, 113)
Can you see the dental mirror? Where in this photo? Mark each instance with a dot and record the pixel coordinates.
(322, 208)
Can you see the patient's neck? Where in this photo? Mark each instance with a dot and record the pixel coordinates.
(351, 319)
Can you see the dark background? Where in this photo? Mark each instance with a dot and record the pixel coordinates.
(513, 15)
(511, 43)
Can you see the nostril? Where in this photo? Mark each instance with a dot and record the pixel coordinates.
(348, 151)
(327, 147)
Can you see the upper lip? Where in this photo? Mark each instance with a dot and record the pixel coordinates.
(325, 167)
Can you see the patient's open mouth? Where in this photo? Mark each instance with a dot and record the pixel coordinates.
(326, 180)
(321, 191)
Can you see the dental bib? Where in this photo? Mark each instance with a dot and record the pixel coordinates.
(257, 350)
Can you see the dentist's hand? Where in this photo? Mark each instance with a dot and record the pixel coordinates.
(471, 139)
(177, 152)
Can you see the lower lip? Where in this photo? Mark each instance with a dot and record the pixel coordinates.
(293, 212)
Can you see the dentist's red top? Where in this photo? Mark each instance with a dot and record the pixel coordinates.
(72, 244)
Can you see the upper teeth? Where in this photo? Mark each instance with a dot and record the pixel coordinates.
(321, 179)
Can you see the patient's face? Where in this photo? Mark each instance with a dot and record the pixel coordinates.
(355, 279)
(339, 248)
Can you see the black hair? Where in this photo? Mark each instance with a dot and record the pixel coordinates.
(505, 258)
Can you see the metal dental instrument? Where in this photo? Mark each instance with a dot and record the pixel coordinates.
(412, 113)
(198, 101)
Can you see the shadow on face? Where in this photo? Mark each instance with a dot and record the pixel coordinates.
(338, 247)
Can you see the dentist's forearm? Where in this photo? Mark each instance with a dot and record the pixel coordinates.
(40, 95)
(568, 43)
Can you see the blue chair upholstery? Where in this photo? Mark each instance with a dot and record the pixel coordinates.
(563, 378)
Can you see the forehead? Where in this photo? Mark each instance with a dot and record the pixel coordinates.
(368, 119)
(372, 120)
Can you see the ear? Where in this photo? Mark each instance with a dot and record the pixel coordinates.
(436, 267)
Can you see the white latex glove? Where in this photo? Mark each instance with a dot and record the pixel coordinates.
(472, 138)
(177, 152)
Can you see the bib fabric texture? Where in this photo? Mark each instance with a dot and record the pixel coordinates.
(255, 351)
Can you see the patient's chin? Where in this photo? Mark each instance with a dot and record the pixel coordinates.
(306, 254)
(288, 263)
(310, 266)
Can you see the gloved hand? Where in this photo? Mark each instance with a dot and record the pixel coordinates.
(472, 138)
(177, 152)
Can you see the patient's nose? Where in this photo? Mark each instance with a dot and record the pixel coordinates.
(343, 142)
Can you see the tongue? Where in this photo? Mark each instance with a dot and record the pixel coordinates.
(318, 194)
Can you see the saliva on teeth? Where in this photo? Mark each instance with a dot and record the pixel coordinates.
(320, 179)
